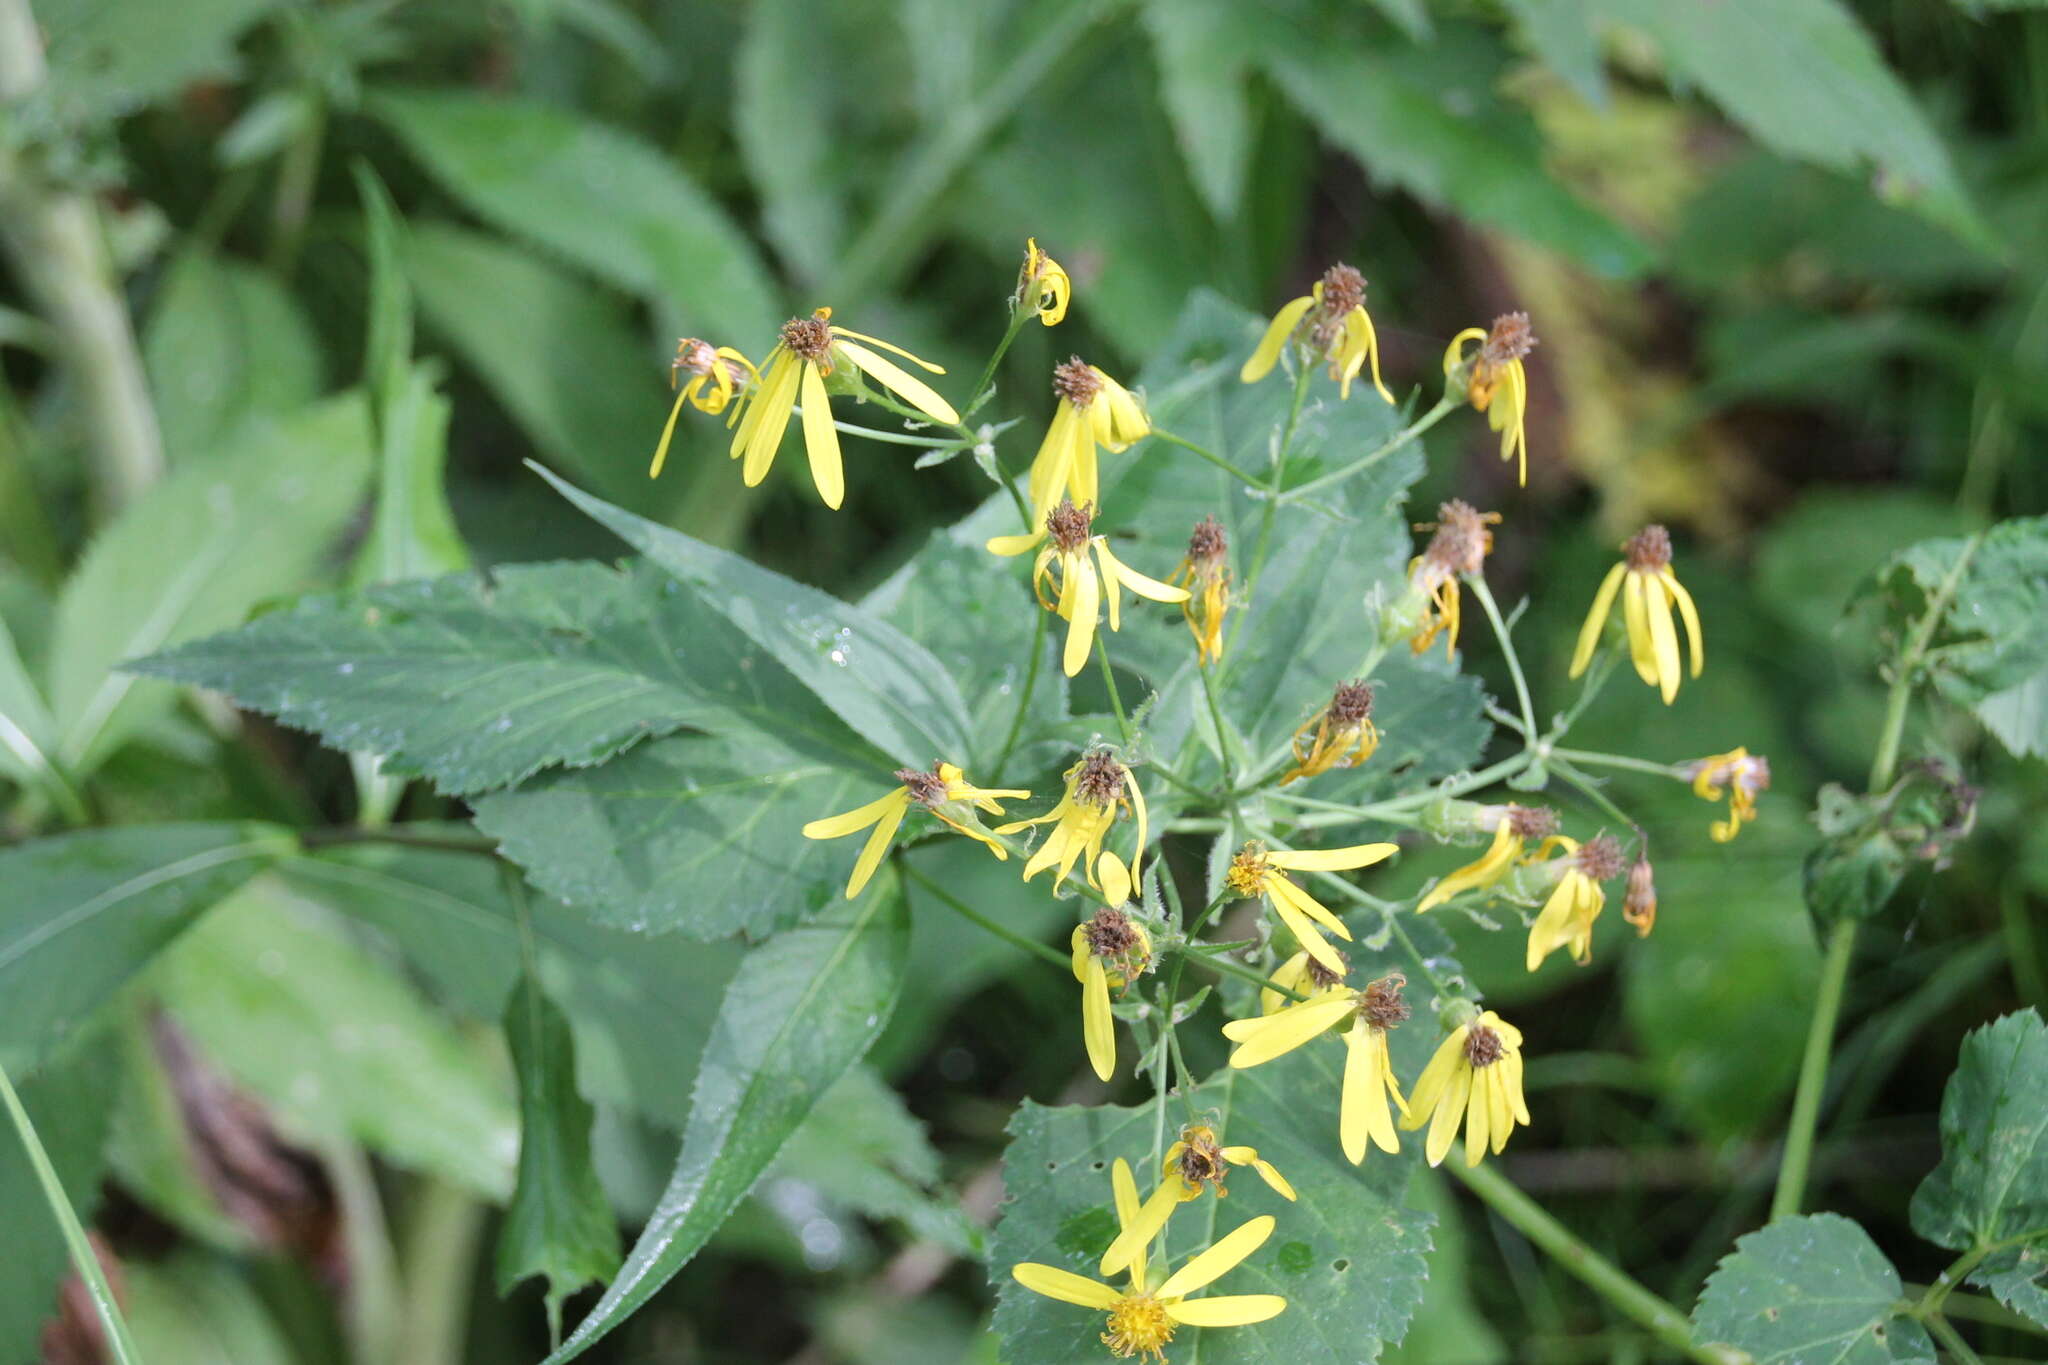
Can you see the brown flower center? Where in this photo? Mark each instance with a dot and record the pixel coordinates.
(1462, 540)
(1483, 1046)
(1201, 1159)
(1350, 703)
(927, 789)
(1100, 782)
(1110, 934)
(1532, 822)
(1648, 550)
(1510, 339)
(810, 338)
(1380, 1004)
(1343, 290)
(1600, 857)
(1076, 382)
(1070, 526)
(1208, 541)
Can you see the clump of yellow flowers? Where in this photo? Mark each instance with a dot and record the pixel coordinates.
(1288, 983)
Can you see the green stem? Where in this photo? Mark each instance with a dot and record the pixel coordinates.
(1977, 1308)
(1659, 1318)
(1024, 697)
(967, 912)
(982, 389)
(1507, 649)
(1944, 1331)
(1813, 1072)
(1211, 456)
(446, 842)
(1116, 703)
(1264, 545)
(1885, 765)
(1596, 678)
(83, 1259)
(1591, 759)
(1594, 794)
(1373, 457)
(1216, 719)
(1231, 967)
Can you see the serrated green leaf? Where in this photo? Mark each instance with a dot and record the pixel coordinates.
(1811, 1290)
(336, 1042)
(559, 1224)
(2019, 716)
(478, 685)
(882, 683)
(193, 555)
(2019, 1277)
(1993, 635)
(600, 197)
(84, 912)
(805, 1006)
(1991, 1187)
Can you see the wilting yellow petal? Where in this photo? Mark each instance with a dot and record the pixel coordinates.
(1063, 1285)
(1635, 615)
(1053, 465)
(838, 826)
(1116, 881)
(1331, 859)
(1663, 638)
(1454, 354)
(906, 385)
(1291, 975)
(1279, 1034)
(1443, 1124)
(1098, 1027)
(821, 440)
(1270, 1173)
(1080, 611)
(1305, 931)
(1589, 633)
(877, 845)
(1478, 1117)
(1268, 352)
(1481, 871)
(1436, 1076)
(1690, 612)
(667, 432)
(1552, 925)
(1226, 1310)
(1218, 1260)
(769, 420)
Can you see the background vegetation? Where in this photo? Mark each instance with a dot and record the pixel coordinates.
(1788, 260)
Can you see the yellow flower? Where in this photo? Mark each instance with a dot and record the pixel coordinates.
(1206, 575)
(1742, 775)
(1099, 788)
(1195, 1163)
(1362, 1115)
(1459, 547)
(810, 349)
(1142, 1318)
(1513, 826)
(716, 374)
(1339, 330)
(1496, 384)
(1086, 583)
(1476, 1077)
(1648, 591)
(1577, 899)
(1043, 286)
(944, 791)
(1254, 872)
(1109, 950)
(1093, 410)
(1639, 906)
(1341, 735)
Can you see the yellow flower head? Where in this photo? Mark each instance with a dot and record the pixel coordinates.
(1649, 589)
(1142, 1318)
(1495, 382)
(1578, 898)
(1332, 323)
(1639, 906)
(1255, 871)
(1742, 775)
(1205, 573)
(810, 349)
(716, 373)
(1110, 950)
(1341, 735)
(944, 791)
(1363, 1115)
(1099, 788)
(1513, 826)
(1093, 410)
(1459, 547)
(1195, 1163)
(1475, 1077)
(1043, 286)
(1090, 577)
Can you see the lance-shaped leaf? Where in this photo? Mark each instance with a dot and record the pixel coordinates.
(560, 1224)
(804, 1007)
(1806, 1290)
(884, 684)
(84, 912)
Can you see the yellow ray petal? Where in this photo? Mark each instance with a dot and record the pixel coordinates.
(1642, 652)
(1311, 939)
(1013, 545)
(1690, 612)
(1663, 638)
(1443, 1124)
(838, 826)
(1226, 1310)
(1552, 924)
(1063, 1285)
(1435, 1077)
(1137, 1233)
(1218, 1260)
(667, 432)
(821, 440)
(771, 421)
(1139, 583)
(1082, 606)
(1279, 1034)
(1331, 859)
(877, 845)
(1283, 891)
(839, 331)
(1098, 1026)
(1478, 1117)
(905, 385)
(1589, 633)
(1270, 1173)
(1277, 331)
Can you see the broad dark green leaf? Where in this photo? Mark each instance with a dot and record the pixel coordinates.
(559, 1224)
(84, 912)
(805, 1006)
(1991, 1188)
(195, 554)
(882, 683)
(477, 685)
(340, 1045)
(1993, 635)
(1811, 1290)
(225, 342)
(111, 57)
(600, 197)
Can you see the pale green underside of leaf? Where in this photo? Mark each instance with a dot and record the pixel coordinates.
(1811, 1290)
(1992, 1183)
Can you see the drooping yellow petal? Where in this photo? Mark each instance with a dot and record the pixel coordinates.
(1079, 608)
(667, 433)
(1443, 1124)
(1138, 583)
(1331, 859)
(1270, 1173)
(1310, 938)
(1053, 465)
(1589, 633)
(1690, 613)
(877, 846)
(770, 420)
(1292, 975)
(1454, 354)
(1276, 1035)
(1123, 1187)
(916, 360)
(1482, 871)
(1113, 597)
(1137, 1233)
(1478, 1117)
(1008, 546)
(1063, 1285)
(1282, 327)
(1284, 892)
(1553, 923)
(1220, 1259)
(1143, 820)
(902, 382)
(1098, 1026)
(1511, 1082)
(860, 817)
(1663, 637)
(1116, 878)
(821, 440)
(1642, 651)
(1436, 1077)
(1226, 1310)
